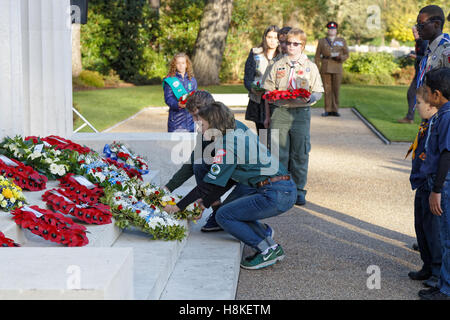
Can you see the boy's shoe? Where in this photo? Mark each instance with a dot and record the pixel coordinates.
(426, 293)
(211, 225)
(259, 260)
(405, 120)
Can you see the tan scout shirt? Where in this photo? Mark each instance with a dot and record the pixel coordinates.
(439, 55)
(306, 76)
(325, 52)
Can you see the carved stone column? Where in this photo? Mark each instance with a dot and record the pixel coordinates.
(35, 67)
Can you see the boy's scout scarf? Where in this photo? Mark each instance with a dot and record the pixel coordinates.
(292, 84)
(422, 129)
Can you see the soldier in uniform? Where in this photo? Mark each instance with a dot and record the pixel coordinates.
(331, 53)
(292, 117)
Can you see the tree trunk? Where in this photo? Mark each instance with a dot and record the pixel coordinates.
(77, 66)
(211, 40)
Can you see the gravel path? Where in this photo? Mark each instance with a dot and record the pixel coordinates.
(359, 215)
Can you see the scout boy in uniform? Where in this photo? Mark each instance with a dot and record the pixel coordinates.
(437, 167)
(292, 117)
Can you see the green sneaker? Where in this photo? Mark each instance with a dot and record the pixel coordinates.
(259, 260)
(279, 252)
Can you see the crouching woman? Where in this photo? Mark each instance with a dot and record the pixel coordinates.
(263, 189)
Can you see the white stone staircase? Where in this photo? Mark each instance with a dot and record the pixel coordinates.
(118, 264)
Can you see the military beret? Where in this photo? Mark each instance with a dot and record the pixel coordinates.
(332, 25)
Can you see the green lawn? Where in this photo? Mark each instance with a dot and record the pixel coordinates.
(381, 105)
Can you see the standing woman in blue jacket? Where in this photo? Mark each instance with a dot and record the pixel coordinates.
(177, 85)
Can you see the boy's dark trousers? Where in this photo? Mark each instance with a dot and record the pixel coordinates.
(427, 232)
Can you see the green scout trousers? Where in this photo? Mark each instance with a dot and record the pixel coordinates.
(293, 143)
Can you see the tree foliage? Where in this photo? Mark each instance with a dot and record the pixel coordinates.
(137, 42)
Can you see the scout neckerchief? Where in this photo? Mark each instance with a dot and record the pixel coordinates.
(292, 84)
(422, 129)
(177, 86)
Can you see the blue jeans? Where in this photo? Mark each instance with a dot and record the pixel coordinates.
(240, 212)
(426, 225)
(444, 222)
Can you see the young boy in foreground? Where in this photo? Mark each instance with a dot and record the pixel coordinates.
(425, 223)
(436, 167)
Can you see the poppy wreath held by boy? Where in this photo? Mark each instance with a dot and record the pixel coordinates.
(286, 94)
(58, 200)
(23, 176)
(7, 242)
(51, 226)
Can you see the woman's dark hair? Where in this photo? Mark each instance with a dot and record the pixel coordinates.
(439, 79)
(218, 116)
(263, 42)
(198, 100)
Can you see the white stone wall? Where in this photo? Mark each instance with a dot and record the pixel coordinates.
(35, 67)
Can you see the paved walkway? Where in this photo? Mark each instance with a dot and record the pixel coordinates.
(359, 214)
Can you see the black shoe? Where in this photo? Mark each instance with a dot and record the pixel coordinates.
(436, 295)
(336, 114)
(415, 247)
(211, 225)
(419, 275)
(326, 114)
(425, 293)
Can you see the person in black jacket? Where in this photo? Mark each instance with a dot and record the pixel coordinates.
(259, 59)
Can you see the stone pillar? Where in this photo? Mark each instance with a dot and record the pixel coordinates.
(11, 82)
(35, 68)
